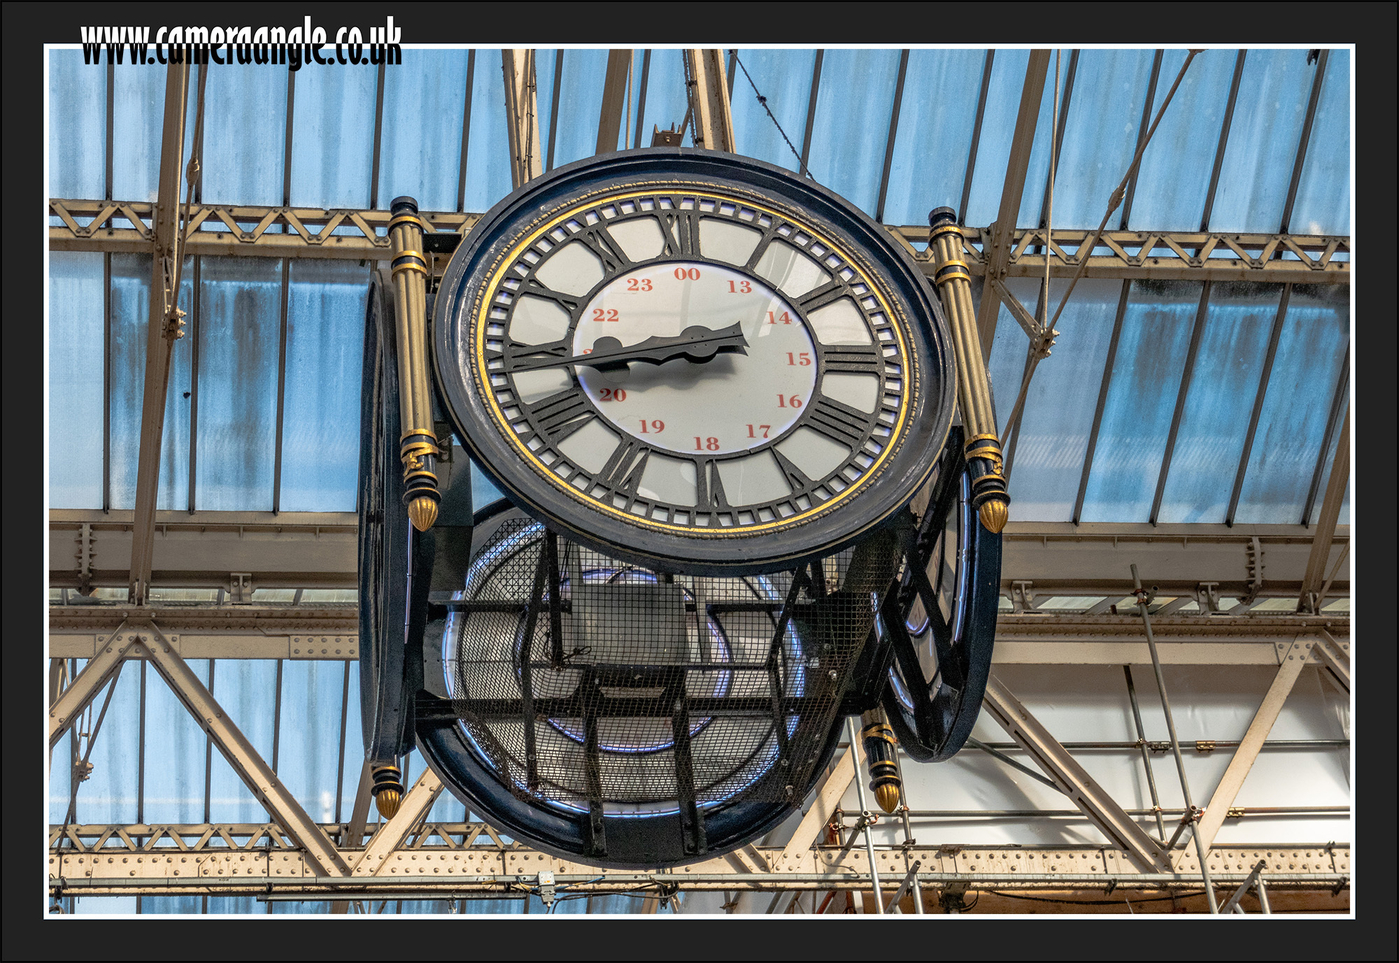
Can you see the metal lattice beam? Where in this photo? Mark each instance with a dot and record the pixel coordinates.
(246, 231)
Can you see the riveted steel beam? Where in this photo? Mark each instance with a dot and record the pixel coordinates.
(379, 854)
(709, 99)
(259, 777)
(522, 115)
(252, 231)
(1291, 661)
(1002, 231)
(1143, 852)
(166, 254)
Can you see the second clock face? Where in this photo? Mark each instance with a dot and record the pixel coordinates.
(686, 362)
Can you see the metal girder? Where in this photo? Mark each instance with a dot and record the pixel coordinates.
(256, 774)
(1120, 829)
(1048, 637)
(1157, 255)
(201, 549)
(1320, 555)
(1017, 165)
(1290, 667)
(412, 811)
(614, 100)
(710, 112)
(318, 550)
(256, 860)
(102, 663)
(159, 338)
(1335, 655)
(521, 115)
(242, 231)
(823, 806)
(248, 231)
(1061, 558)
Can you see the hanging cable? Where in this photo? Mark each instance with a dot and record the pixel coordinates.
(1114, 201)
(763, 102)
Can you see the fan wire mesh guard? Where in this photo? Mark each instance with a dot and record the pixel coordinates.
(596, 686)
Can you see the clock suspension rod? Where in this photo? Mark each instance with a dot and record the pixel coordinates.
(418, 443)
(984, 462)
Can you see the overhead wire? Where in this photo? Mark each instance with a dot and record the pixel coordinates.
(763, 102)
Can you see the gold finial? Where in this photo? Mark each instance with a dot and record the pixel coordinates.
(994, 514)
(388, 802)
(887, 795)
(422, 512)
(388, 790)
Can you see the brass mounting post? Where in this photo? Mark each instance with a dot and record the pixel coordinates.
(418, 443)
(989, 493)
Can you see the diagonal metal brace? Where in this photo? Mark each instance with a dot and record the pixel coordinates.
(1144, 852)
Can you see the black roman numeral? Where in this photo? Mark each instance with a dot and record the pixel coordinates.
(681, 232)
(567, 301)
(796, 478)
(839, 422)
(624, 468)
(709, 487)
(605, 246)
(560, 415)
(860, 359)
(517, 356)
(832, 290)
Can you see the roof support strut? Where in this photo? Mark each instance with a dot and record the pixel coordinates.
(159, 337)
(1144, 852)
(1016, 168)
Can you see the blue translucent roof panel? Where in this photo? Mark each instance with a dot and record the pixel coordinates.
(321, 407)
(1323, 192)
(1141, 399)
(580, 105)
(1046, 463)
(666, 102)
(332, 137)
(936, 117)
(77, 141)
(173, 491)
(488, 153)
(246, 690)
(783, 77)
(309, 750)
(138, 109)
(109, 795)
(1174, 178)
(1037, 171)
(131, 306)
(1101, 127)
(854, 84)
(1263, 139)
(420, 149)
(1219, 403)
(997, 132)
(176, 747)
(239, 338)
(1311, 351)
(245, 130)
(76, 364)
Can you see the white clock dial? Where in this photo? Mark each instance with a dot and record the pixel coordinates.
(690, 359)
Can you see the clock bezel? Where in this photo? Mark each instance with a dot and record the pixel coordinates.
(905, 299)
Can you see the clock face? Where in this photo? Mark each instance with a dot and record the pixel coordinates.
(698, 361)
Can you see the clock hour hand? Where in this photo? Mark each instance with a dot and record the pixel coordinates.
(696, 343)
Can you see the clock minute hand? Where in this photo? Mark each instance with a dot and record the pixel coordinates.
(696, 343)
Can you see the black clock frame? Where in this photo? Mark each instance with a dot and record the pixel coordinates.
(930, 380)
